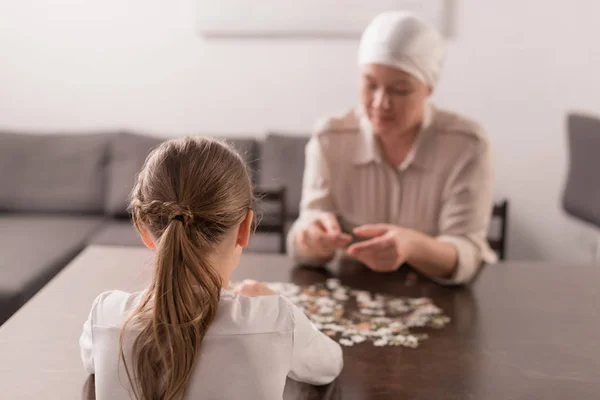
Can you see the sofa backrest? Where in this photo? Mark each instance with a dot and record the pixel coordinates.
(128, 151)
(53, 172)
(127, 155)
(94, 173)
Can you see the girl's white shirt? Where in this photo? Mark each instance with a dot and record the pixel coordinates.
(253, 344)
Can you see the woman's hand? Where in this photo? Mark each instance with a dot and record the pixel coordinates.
(322, 236)
(387, 247)
(252, 288)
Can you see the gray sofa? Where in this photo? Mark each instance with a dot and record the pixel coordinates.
(62, 192)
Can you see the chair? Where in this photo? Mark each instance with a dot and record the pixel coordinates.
(581, 196)
(273, 222)
(498, 244)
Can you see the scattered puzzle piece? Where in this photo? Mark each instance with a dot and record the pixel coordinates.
(383, 320)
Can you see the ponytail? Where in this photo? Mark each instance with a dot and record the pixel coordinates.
(173, 316)
(191, 193)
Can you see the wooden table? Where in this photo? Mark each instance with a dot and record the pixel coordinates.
(522, 331)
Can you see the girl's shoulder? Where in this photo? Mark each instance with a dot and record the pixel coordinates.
(239, 314)
(236, 314)
(111, 308)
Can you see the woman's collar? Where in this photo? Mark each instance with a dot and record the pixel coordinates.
(369, 151)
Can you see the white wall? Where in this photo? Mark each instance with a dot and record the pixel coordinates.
(516, 66)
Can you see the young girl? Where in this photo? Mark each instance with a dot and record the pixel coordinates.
(184, 337)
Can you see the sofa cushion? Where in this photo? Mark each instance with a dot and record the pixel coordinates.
(53, 172)
(127, 155)
(282, 163)
(116, 233)
(33, 248)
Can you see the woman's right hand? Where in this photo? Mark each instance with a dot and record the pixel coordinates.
(322, 236)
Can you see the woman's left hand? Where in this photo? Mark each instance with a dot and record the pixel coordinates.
(387, 248)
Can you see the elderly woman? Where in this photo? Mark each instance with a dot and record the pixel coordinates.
(397, 180)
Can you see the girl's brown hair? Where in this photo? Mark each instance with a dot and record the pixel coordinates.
(190, 193)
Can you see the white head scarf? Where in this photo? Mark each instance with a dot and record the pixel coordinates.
(401, 40)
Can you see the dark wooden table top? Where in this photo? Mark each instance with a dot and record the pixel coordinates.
(521, 331)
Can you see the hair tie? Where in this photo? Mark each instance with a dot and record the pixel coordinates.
(178, 218)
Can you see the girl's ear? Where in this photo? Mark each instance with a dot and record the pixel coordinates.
(245, 229)
(147, 239)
